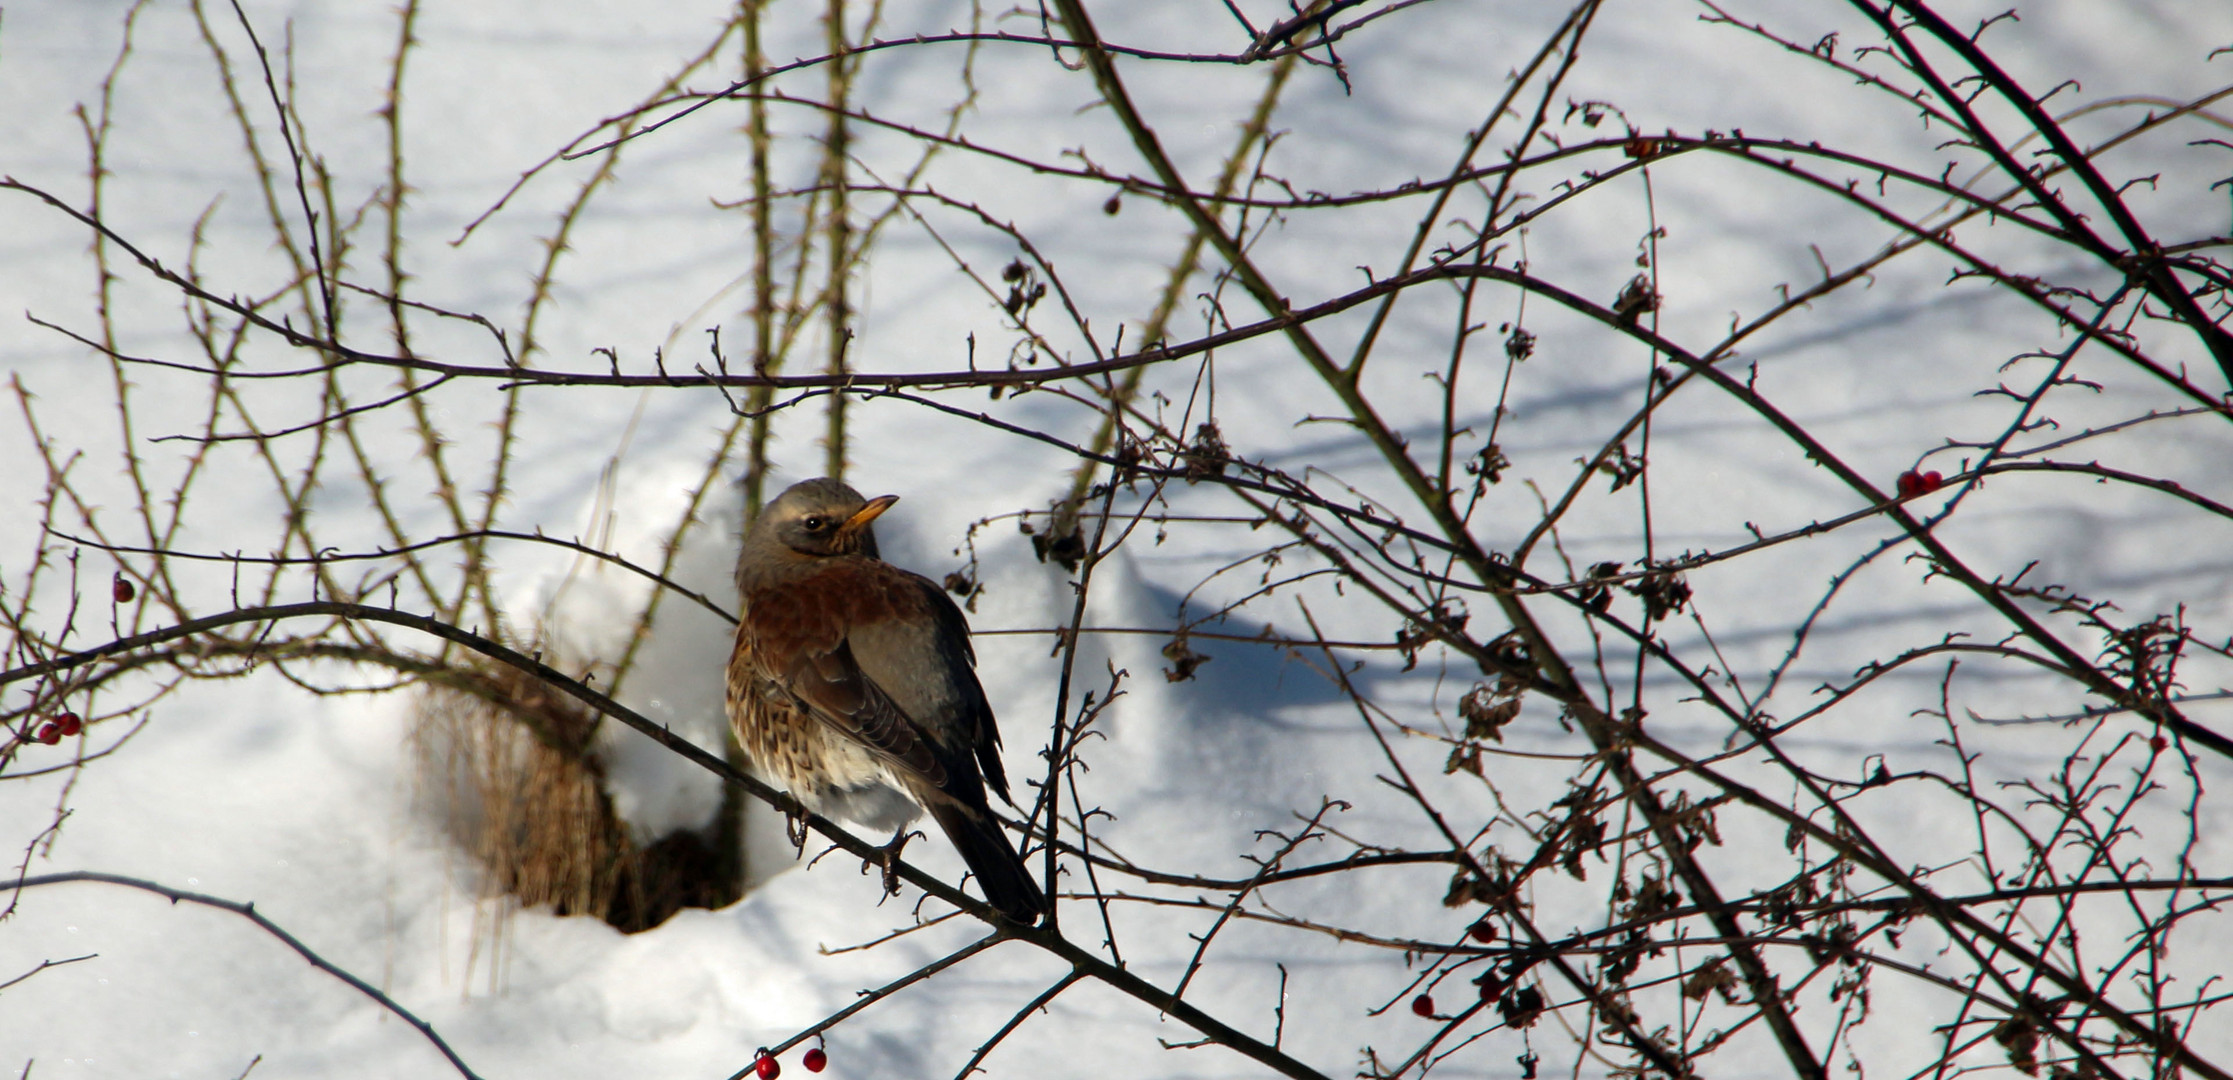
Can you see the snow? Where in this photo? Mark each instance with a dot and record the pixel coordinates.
(253, 790)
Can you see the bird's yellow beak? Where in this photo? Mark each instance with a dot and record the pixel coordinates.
(867, 514)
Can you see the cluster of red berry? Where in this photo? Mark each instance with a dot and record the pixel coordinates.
(1912, 483)
(54, 730)
(767, 1068)
(1484, 932)
(61, 727)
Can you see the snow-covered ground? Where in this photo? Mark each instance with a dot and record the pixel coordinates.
(254, 790)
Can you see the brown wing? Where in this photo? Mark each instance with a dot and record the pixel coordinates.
(984, 728)
(862, 645)
(883, 657)
(923, 655)
(833, 686)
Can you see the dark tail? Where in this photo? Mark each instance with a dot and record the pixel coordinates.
(1007, 883)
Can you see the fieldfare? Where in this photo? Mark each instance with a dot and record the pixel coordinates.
(852, 685)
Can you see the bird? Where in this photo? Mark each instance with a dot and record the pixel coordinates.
(853, 684)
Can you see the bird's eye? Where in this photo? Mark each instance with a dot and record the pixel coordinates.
(815, 523)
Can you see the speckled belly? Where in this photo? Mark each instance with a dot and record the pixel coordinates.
(833, 775)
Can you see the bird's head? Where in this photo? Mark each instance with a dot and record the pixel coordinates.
(819, 517)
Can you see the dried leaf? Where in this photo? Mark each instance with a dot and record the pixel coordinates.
(1485, 713)
(2021, 1037)
(1710, 977)
(1184, 657)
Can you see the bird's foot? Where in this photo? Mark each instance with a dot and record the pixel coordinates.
(888, 857)
(794, 830)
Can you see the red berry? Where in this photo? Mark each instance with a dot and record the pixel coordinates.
(2157, 743)
(767, 1067)
(121, 589)
(69, 723)
(815, 1060)
(1491, 987)
(1483, 931)
(49, 733)
(1908, 485)
(1423, 1005)
(1930, 481)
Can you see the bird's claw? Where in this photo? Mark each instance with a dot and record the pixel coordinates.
(794, 830)
(888, 858)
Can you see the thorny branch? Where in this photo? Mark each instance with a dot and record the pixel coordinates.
(1583, 745)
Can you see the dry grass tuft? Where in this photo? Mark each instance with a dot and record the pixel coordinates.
(511, 768)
